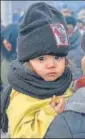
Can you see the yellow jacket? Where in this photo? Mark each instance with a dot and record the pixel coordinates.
(30, 117)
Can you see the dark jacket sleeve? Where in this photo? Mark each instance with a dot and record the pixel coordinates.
(68, 124)
(59, 128)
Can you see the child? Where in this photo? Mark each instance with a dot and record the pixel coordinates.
(75, 47)
(40, 73)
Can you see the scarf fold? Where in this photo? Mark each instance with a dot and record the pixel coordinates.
(31, 84)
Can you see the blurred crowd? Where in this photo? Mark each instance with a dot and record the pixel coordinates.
(76, 29)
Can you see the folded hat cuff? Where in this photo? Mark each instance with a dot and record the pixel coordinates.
(40, 41)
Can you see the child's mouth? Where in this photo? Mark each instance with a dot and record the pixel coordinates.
(52, 74)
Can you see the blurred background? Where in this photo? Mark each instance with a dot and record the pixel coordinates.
(11, 11)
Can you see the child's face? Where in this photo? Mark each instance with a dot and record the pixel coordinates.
(48, 67)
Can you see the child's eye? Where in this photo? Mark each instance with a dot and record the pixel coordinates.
(41, 58)
(58, 58)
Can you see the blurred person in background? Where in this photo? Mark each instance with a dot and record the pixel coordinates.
(76, 53)
(83, 59)
(1, 30)
(8, 49)
(18, 15)
(81, 26)
(81, 14)
(81, 81)
(65, 12)
(1, 42)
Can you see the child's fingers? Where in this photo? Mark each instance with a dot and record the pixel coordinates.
(53, 103)
(58, 110)
(60, 106)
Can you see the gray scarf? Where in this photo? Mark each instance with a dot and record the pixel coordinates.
(31, 84)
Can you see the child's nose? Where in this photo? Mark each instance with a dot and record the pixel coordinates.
(50, 64)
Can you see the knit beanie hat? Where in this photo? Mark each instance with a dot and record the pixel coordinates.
(42, 31)
(83, 42)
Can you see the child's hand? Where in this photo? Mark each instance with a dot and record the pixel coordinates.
(58, 106)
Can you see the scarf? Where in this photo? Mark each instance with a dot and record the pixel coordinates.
(28, 83)
(31, 84)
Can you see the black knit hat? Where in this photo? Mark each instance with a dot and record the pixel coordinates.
(42, 31)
